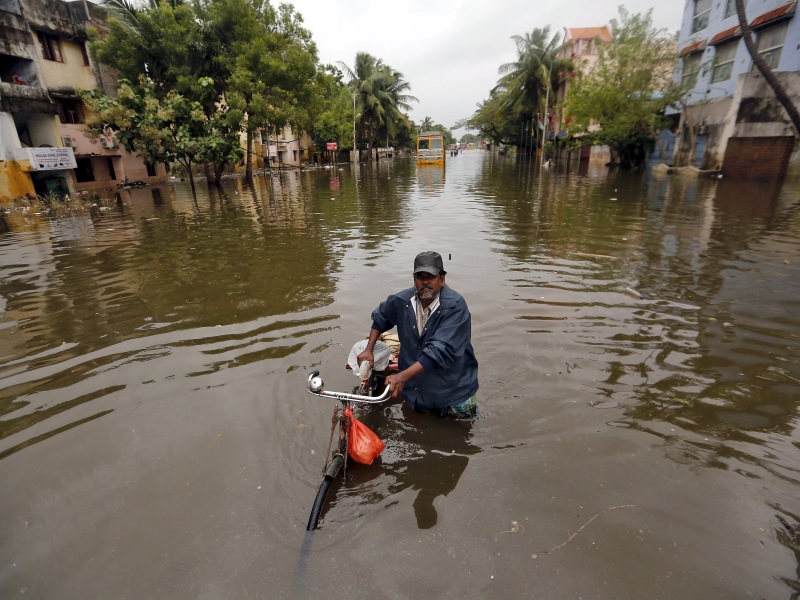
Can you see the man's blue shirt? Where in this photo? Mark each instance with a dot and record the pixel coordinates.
(444, 349)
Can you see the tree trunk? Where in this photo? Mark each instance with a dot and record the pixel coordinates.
(763, 67)
(660, 144)
(211, 175)
(248, 171)
(218, 170)
(191, 178)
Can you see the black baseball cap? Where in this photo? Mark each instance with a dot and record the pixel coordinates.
(429, 262)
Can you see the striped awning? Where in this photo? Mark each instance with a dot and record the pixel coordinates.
(692, 48)
(725, 36)
(769, 18)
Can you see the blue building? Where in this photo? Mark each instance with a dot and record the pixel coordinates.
(730, 109)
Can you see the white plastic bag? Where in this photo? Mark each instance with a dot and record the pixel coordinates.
(382, 354)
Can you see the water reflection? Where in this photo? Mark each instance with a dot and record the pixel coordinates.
(430, 180)
(155, 352)
(425, 455)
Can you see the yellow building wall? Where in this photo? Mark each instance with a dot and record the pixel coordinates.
(70, 74)
(15, 180)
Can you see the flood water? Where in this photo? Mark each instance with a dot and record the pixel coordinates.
(156, 439)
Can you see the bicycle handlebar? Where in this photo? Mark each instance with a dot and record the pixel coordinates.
(315, 386)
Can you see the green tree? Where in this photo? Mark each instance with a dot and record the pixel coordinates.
(525, 83)
(496, 121)
(161, 42)
(258, 58)
(167, 43)
(381, 97)
(335, 122)
(170, 129)
(621, 101)
(522, 91)
(269, 61)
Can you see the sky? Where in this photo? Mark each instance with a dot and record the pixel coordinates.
(449, 52)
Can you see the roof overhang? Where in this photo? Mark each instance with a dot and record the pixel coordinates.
(726, 36)
(693, 48)
(775, 16)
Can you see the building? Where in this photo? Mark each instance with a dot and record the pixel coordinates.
(580, 45)
(731, 116)
(287, 149)
(44, 62)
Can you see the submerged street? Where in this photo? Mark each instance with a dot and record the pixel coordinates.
(638, 340)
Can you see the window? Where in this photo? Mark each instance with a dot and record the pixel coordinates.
(691, 67)
(84, 172)
(70, 111)
(151, 169)
(50, 46)
(730, 8)
(770, 43)
(723, 61)
(702, 8)
(84, 53)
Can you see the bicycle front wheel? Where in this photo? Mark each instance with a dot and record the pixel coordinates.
(336, 464)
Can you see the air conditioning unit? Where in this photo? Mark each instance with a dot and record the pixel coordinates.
(69, 141)
(108, 141)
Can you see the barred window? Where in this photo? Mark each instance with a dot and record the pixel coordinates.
(702, 8)
(691, 67)
(770, 43)
(723, 61)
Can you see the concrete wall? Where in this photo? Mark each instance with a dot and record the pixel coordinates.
(709, 119)
(752, 112)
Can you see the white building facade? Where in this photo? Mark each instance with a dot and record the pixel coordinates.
(728, 98)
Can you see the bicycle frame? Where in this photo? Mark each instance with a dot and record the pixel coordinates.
(336, 461)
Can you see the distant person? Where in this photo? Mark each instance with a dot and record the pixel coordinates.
(436, 356)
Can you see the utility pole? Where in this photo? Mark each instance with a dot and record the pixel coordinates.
(544, 134)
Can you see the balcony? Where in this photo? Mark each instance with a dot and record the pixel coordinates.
(15, 98)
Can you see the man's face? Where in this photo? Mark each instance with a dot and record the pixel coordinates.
(428, 285)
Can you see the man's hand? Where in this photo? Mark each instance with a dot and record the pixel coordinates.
(368, 356)
(396, 383)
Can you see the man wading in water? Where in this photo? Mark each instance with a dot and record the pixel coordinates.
(436, 356)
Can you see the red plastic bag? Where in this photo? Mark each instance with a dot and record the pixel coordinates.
(363, 445)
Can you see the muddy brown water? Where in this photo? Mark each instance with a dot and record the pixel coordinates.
(156, 440)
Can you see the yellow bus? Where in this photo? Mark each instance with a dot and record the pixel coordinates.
(430, 148)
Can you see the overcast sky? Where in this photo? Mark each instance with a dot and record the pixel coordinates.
(450, 51)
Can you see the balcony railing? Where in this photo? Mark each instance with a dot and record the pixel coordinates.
(26, 92)
(700, 21)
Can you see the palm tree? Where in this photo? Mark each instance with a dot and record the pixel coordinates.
(426, 125)
(525, 82)
(380, 96)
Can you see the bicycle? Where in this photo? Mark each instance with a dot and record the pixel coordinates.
(365, 393)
